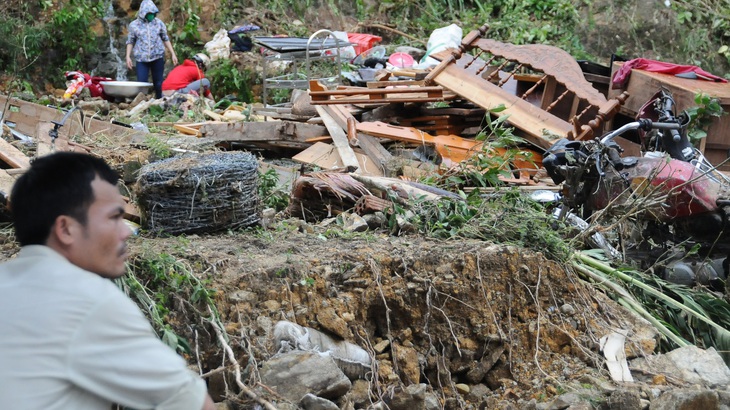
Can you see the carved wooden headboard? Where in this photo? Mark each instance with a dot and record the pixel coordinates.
(557, 102)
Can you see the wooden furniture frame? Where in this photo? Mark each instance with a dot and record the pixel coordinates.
(483, 70)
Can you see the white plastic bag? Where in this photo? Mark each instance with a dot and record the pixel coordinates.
(220, 46)
(441, 39)
(347, 53)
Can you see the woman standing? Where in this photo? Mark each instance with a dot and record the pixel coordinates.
(148, 38)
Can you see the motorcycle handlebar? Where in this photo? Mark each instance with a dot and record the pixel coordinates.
(643, 124)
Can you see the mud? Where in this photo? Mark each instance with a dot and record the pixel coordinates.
(436, 312)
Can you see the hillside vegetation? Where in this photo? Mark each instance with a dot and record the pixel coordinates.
(40, 38)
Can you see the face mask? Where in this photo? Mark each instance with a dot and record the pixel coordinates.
(149, 17)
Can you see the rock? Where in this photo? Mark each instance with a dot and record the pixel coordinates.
(564, 401)
(312, 402)
(680, 399)
(462, 388)
(353, 360)
(268, 216)
(381, 346)
(272, 305)
(690, 364)
(405, 226)
(354, 223)
(360, 393)
(407, 359)
(624, 399)
(431, 401)
(292, 375)
(376, 220)
(137, 100)
(333, 323)
(410, 398)
(478, 392)
(242, 295)
(95, 106)
(567, 309)
(223, 406)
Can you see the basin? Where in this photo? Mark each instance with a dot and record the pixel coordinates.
(124, 88)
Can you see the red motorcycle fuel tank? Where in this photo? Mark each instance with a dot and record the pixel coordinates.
(672, 189)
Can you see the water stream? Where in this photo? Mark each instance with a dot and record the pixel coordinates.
(110, 63)
(118, 63)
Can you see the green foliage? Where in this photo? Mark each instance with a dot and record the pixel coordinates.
(702, 115)
(158, 148)
(159, 281)
(704, 26)
(227, 79)
(684, 315)
(270, 192)
(508, 217)
(499, 149)
(22, 43)
(184, 27)
(71, 31)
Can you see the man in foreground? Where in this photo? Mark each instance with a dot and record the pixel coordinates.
(69, 338)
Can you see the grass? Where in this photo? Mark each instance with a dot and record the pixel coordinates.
(160, 283)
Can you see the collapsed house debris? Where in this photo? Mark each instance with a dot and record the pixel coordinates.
(357, 152)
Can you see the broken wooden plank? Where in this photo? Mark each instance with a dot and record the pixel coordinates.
(541, 127)
(326, 157)
(394, 83)
(6, 183)
(187, 130)
(321, 95)
(26, 115)
(339, 138)
(264, 131)
(13, 156)
(367, 143)
(452, 148)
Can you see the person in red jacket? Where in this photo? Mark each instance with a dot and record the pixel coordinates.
(189, 77)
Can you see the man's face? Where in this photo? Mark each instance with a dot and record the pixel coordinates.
(100, 246)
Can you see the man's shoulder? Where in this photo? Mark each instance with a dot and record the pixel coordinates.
(41, 270)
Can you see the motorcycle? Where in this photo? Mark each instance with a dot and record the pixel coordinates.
(673, 204)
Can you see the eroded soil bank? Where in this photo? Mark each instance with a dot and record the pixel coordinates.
(507, 323)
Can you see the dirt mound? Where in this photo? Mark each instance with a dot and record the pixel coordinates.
(442, 313)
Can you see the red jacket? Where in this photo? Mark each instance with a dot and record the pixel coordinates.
(182, 75)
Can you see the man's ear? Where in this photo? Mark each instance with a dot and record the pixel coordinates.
(65, 229)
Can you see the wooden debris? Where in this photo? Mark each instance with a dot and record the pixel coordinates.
(321, 95)
(25, 117)
(13, 156)
(286, 134)
(339, 137)
(569, 108)
(326, 156)
(452, 148)
(370, 145)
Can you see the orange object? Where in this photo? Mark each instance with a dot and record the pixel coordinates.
(452, 148)
(363, 42)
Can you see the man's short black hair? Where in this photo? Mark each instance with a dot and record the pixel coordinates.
(54, 185)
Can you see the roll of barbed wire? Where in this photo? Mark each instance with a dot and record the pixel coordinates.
(199, 193)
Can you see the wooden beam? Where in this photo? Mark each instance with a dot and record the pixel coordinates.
(367, 143)
(325, 156)
(262, 131)
(339, 138)
(13, 156)
(523, 115)
(26, 115)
